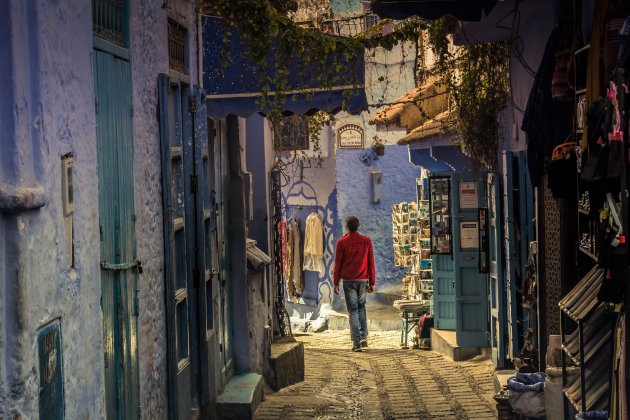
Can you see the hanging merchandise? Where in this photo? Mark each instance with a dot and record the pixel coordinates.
(282, 230)
(296, 265)
(288, 262)
(314, 244)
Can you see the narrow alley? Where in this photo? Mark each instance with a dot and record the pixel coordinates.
(206, 205)
(382, 382)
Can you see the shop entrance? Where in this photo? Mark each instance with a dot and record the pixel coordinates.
(460, 300)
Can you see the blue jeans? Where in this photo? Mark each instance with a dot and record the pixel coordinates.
(356, 294)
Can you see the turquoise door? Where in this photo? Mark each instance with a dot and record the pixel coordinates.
(496, 285)
(119, 264)
(470, 286)
(444, 303)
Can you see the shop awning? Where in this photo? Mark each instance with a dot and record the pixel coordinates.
(236, 89)
(452, 155)
(465, 10)
(422, 157)
(411, 110)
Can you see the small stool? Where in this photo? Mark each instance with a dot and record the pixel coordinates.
(410, 315)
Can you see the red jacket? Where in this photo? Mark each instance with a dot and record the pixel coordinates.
(354, 259)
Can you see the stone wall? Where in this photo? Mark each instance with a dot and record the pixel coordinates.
(47, 111)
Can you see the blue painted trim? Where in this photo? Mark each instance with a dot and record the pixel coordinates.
(110, 47)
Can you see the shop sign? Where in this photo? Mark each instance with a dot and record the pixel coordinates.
(469, 235)
(467, 195)
(350, 137)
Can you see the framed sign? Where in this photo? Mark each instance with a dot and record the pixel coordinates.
(350, 136)
(469, 235)
(440, 209)
(467, 195)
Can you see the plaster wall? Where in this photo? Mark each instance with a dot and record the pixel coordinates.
(314, 188)
(46, 111)
(354, 193)
(258, 161)
(149, 57)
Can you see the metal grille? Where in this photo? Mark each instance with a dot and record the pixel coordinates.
(108, 20)
(552, 247)
(176, 46)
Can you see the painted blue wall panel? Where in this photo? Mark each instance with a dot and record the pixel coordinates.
(354, 198)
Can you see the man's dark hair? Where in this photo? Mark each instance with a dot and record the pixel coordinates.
(352, 222)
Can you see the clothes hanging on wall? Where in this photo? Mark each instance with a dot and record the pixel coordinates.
(314, 244)
(282, 231)
(288, 260)
(293, 268)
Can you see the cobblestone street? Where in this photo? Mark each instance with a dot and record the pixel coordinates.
(382, 382)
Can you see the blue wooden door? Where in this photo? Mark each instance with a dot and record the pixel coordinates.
(119, 264)
(444, 303)
(496, 283)
(470, 286)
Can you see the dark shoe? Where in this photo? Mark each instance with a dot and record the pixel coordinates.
(356, 348)
(364, 342)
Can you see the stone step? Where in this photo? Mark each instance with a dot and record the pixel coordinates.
(445, 342)
(241, 397)
(286, 363)
(339, 321)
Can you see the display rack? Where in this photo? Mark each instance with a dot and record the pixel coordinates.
(412, 248)
(588, 346)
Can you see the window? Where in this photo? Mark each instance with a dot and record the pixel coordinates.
(370, 21)
(294, 134)
(109, 20)
(177, 41)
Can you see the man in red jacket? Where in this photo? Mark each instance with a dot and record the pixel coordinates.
(354, 264)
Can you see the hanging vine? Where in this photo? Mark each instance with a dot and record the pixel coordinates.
(478, 78)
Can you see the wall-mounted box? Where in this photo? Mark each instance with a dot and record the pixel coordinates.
(376, 179)
(67, 193)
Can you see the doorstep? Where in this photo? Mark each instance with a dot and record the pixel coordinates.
(241, 397)
(445, 342)
(501, 378)
(339, 321)
(286, 363)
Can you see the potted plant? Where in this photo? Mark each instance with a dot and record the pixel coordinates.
(378, 147)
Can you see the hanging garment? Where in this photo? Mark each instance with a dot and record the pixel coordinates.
(314, 244)
(288, 262)
(282, 233)
(296, 265)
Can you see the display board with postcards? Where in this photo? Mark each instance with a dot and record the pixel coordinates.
(412, 248)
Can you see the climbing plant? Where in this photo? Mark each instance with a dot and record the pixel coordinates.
(478, 78)
(261, 24)
(476, 75)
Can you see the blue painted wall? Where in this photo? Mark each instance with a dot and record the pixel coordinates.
(354, 195)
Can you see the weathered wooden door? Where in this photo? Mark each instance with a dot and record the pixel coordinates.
(191, 245)
(470, 286)
(497, 301)
(119, 264)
